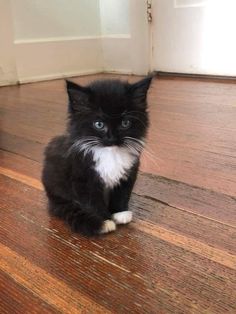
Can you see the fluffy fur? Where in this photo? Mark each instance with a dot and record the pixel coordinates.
(89, 172)
(112, 163)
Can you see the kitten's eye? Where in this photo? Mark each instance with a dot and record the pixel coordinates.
(99, 125)
(125, 124)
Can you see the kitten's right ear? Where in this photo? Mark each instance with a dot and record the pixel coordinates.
(78, 96)
(139, 91)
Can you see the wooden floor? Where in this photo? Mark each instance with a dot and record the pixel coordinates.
(177, 256)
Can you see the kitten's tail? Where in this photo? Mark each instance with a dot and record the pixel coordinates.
(84, 222)
(88, 224)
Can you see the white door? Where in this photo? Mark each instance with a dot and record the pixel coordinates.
(8, 74)
(194, 36)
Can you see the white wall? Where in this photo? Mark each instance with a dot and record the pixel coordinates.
(36, 19)
(115, 17)
(56, 38)
(8, 74)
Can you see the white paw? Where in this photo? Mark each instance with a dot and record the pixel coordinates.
(108, 226)
(122, 217)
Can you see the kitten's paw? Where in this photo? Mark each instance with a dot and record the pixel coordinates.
(108, 226)
(122, 217)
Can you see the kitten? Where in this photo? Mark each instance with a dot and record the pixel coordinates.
(89, 172)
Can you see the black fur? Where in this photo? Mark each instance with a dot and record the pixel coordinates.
(75, 191)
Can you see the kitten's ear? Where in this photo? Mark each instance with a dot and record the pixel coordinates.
(139, 91)
(78, 96)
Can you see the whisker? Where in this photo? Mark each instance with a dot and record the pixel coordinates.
(151, 156)
(84, 144)
(141, 142)
(136, 148)
(134, 145)
(151, 159)
(138, 145)
(132, 149)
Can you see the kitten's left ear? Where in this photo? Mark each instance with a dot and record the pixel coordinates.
(78, 96)
(139, 91)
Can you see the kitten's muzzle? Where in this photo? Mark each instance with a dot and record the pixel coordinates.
(111, 142)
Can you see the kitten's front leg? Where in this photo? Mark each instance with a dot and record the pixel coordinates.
(119, 200)
(91, 204)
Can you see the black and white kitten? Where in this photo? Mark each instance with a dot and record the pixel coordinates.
(90, 171)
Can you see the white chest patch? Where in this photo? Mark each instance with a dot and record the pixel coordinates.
(112, 163)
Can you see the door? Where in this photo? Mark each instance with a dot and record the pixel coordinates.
(8, 73)
(194, 36)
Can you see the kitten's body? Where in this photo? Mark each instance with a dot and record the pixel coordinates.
(89, 173)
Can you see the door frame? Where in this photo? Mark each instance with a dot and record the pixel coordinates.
(140, 43)
(8, 71)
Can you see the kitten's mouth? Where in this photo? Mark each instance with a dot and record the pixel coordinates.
(132, 145)
(109, 143)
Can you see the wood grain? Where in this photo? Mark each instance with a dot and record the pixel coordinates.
(43, 285)
(17, 299)
(178, 254)
(22, 178)
(149, 258)
(202, 202)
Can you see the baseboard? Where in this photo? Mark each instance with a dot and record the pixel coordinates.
(53, 58)
(208, 77)
(33, 79)
(38, 61)
(8, 83)
(55, 76)
(68, 38)
(161, 74)
(44, 59)
(118, 71)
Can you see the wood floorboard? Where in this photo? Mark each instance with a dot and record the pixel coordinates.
(177, 256)
(202, 202)
(21, 146)
(17, 299)
(20, 164)
(132, 258)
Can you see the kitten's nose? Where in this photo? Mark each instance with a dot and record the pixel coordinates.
(110, 140)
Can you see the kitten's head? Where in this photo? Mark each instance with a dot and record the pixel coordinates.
(108, 113)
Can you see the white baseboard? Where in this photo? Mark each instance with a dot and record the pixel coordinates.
(55, 59)
(8, 82)
(59, 76)
(118, 71)
(72, 74)
(66, 38)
